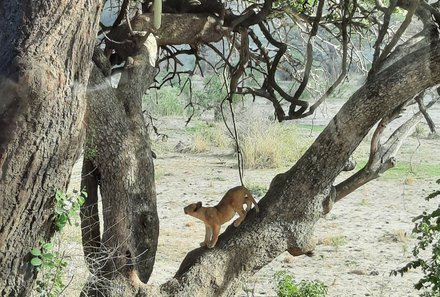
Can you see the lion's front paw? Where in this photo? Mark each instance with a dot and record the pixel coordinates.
(202, 244)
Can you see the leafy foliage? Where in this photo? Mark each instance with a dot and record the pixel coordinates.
(50, 265)
(427, 229)
(66, 206)
(288, 287)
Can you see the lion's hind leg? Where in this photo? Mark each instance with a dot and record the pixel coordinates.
(242, 213)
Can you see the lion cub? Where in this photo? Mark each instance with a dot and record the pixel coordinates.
(214, 217)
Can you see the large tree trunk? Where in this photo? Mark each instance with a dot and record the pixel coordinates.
(118, 158)
(297, 198)
(45, 52)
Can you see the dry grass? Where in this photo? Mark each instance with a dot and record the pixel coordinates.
(207, 137)
(200, 143)
(335, 241)
(398, 235)
(267, 144)
(409, 180)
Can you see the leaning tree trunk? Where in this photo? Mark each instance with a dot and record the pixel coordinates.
(118, 160)
(45, 52)
(297, 198)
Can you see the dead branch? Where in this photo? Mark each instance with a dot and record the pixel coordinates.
(382, 157)
(422, 107)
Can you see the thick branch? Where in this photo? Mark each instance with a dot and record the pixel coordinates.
(122, 13)
(123, 157)
(176, 29)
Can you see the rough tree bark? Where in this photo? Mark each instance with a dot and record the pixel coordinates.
(118, 158)
(45, 49)
(297, 198)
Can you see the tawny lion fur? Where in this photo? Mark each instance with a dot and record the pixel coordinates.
(214, 217)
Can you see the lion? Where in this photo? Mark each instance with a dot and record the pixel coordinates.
(215, 216)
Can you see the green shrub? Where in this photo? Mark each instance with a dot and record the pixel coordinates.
(209, 95)
(167, 102)
(420, 131)
(66, 206)
(286, 286)
(50, 265)
(427, 229)
(48, 262)
(90, 148)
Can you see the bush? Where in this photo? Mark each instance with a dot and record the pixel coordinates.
(50, 265)
(427, 229)
(286, 286)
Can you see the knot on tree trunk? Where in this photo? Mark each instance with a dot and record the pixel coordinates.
(307, 249)
(328, 202)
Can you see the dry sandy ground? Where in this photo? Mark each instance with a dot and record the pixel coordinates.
(362, 239)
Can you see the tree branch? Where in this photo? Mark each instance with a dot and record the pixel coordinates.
(422, 107)
(382, 157)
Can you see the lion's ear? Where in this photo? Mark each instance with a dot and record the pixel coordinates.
(198, 205)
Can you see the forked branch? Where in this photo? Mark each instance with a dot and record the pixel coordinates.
(382, 156)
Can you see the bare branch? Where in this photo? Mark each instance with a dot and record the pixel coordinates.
(309, 58)
(422, 107)
(123, 12)
(378, 59)
(382, 157)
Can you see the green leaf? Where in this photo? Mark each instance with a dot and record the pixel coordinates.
(81, 200)
(62, 219)
(47, 257)
(36, 252)
(36, 262)
(59, 210)
(59, 196)
(48, 246)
